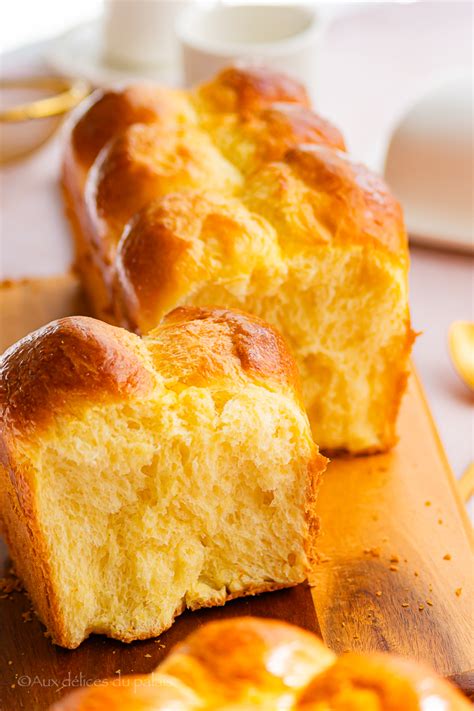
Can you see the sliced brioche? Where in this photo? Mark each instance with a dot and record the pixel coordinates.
(144, 476)
(247, 199)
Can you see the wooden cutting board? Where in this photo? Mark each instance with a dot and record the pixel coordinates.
(395, 570)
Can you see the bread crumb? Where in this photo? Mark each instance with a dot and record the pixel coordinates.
(148, 656)
(374, 552)
(458, 592)
(114, 651)
(416, 573)
(27, 616)
(394, 568)
(323, 558)
(394, 559)
(427, 503)
(428, 602)
(440, 521)
(117, 671)
(12, 686)
(11, 584)
(379, 593)
(447, 557)
(405, 604)
(421, 607)
(10, 661)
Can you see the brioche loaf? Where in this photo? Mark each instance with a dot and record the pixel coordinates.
(144, 476)
(251, 663)
(237, 194)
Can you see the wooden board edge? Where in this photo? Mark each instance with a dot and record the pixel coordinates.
(443, 456)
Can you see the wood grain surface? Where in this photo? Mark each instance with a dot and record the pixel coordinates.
(395, 570)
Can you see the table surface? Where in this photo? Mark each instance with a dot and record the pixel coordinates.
(370, 67)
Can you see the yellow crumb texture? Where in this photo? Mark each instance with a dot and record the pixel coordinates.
(178, 498)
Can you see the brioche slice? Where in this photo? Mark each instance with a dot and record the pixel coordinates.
(238, 194)
(315, 246)
(249, 663)
(144, 476)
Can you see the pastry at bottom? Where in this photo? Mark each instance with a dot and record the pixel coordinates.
(250, 663)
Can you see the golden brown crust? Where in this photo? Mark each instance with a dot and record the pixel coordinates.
(19, 523)
(237, 659)
(251, 663)
(145, 162)
(283, 126)
(354, 204)
(69, 360)
(358, 681)
(138, 692)
(180, 240)
(245, 89)
(198, 345)
(108, 113)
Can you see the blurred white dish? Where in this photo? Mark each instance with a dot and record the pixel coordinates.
(284, 37)
(430, 163)
(141, 34)
(79, 52)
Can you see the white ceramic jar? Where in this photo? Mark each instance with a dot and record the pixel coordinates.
(284, 37)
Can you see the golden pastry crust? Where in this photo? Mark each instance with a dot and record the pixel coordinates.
(282, 126)
(140, 692)
(108, 113)
(245, 89)
(233, 660)
(146, 162)
(169, 243)
(237, 345)
(251, 663)
(354, 204)
(357, 682)
(67, 361)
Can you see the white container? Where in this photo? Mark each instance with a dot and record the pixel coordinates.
(284, 37)
(429, 164)
(141, 33)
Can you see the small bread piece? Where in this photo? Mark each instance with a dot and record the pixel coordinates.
(144, 476)
(249, 663)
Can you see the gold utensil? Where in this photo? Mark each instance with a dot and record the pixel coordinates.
(26, 126)
(461, 349)
(466, 483)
